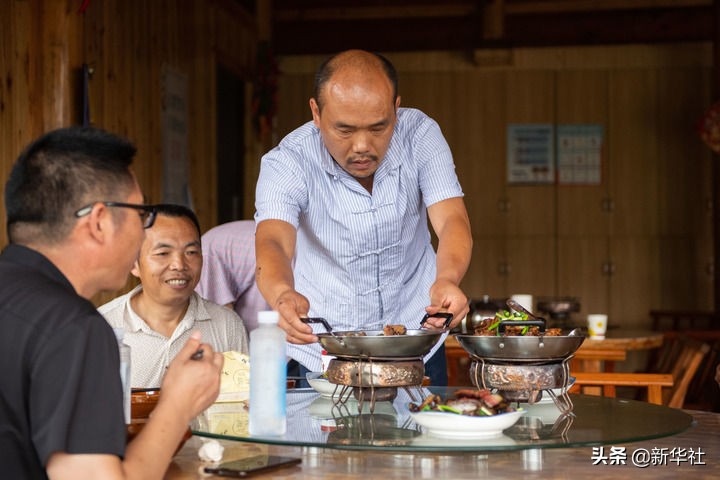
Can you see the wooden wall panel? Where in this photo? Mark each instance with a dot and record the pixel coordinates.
(635, 282)
(128, 43)
(633, 150)
(7, 131)
(684, 190)
(530, 98)
(582, 98)
(580, 272)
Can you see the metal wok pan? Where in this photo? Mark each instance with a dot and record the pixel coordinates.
(522, 348)
(374, 343)
(415, 343)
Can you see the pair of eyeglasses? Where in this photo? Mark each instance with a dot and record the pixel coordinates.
(147, 212)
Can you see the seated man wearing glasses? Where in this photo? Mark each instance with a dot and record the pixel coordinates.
(75, 227)
(159, 315)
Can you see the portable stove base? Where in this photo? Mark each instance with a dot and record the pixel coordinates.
(374, 379)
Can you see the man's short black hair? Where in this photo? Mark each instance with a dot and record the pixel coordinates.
(174, 211)
(61, 172)
(328, 67)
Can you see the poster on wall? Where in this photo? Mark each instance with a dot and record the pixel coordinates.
(174, 137)
(579, 154)
(530, 154)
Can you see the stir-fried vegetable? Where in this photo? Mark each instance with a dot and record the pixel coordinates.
(502, 315)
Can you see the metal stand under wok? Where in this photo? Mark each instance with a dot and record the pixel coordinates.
(374, 379)
(524, 381)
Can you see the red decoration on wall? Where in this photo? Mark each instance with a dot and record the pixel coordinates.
(84, 6)
(709, 127)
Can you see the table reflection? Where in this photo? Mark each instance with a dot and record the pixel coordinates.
(318, 421)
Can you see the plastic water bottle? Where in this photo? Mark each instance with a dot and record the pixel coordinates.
(268, 375)
(124, 372)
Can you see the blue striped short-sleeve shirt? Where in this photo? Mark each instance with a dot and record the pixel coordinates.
(363, 260)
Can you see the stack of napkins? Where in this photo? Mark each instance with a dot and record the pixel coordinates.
(235, 378)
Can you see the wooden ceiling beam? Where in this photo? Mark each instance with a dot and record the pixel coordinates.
(518, 7)
(313, 37)
(466, 32)
(660, 25)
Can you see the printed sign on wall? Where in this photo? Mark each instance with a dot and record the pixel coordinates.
(579, 154)
(530, 154)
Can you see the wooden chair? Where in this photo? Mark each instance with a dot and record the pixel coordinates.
(654, 382)
(596, 359)
(703, 392)
(675, 382)
(688, 362)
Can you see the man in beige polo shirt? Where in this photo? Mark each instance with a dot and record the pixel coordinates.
(159, 315)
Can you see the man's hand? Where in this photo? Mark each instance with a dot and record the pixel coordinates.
(192, 381)
(445, 296)
(291, 306)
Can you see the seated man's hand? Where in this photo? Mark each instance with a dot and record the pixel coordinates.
(192, 381)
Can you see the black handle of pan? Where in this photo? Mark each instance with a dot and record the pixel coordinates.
(446, 315)
(540, 323)
(320, 320)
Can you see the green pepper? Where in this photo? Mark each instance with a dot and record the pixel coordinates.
(445, 408)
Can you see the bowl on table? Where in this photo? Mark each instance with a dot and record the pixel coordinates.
(321, 384)
(142, 402)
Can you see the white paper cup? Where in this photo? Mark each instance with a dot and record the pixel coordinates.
(597, 325)
(525, 300)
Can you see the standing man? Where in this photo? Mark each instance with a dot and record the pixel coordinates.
(228, 274)
(159, 315)
(349, 194)
(75, 222)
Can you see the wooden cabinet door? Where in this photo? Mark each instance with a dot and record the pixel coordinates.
(684, 193)
(488, 272)
(584, 272)
(583, 225)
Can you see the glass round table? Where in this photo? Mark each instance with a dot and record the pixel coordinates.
(314, 420)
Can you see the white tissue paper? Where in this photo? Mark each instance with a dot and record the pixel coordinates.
(211, 451)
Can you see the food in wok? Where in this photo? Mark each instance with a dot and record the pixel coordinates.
(387, 330)
(394, 330)
(513, 326)
(520, 337)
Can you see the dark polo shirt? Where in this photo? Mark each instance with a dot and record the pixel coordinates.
(60, 388)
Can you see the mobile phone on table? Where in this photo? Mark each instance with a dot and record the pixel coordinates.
(246, 467)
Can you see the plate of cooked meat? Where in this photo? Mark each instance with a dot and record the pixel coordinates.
(469, 414)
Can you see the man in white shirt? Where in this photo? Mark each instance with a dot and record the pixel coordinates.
(348, 196)
(160, 314)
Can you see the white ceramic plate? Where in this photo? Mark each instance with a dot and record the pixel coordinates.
(452, 425)
(320, 384)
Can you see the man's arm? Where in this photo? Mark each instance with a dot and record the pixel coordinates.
(450, 221)
(274, 250)
(189, 387)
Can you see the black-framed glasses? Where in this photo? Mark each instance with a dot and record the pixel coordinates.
(147, 212)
